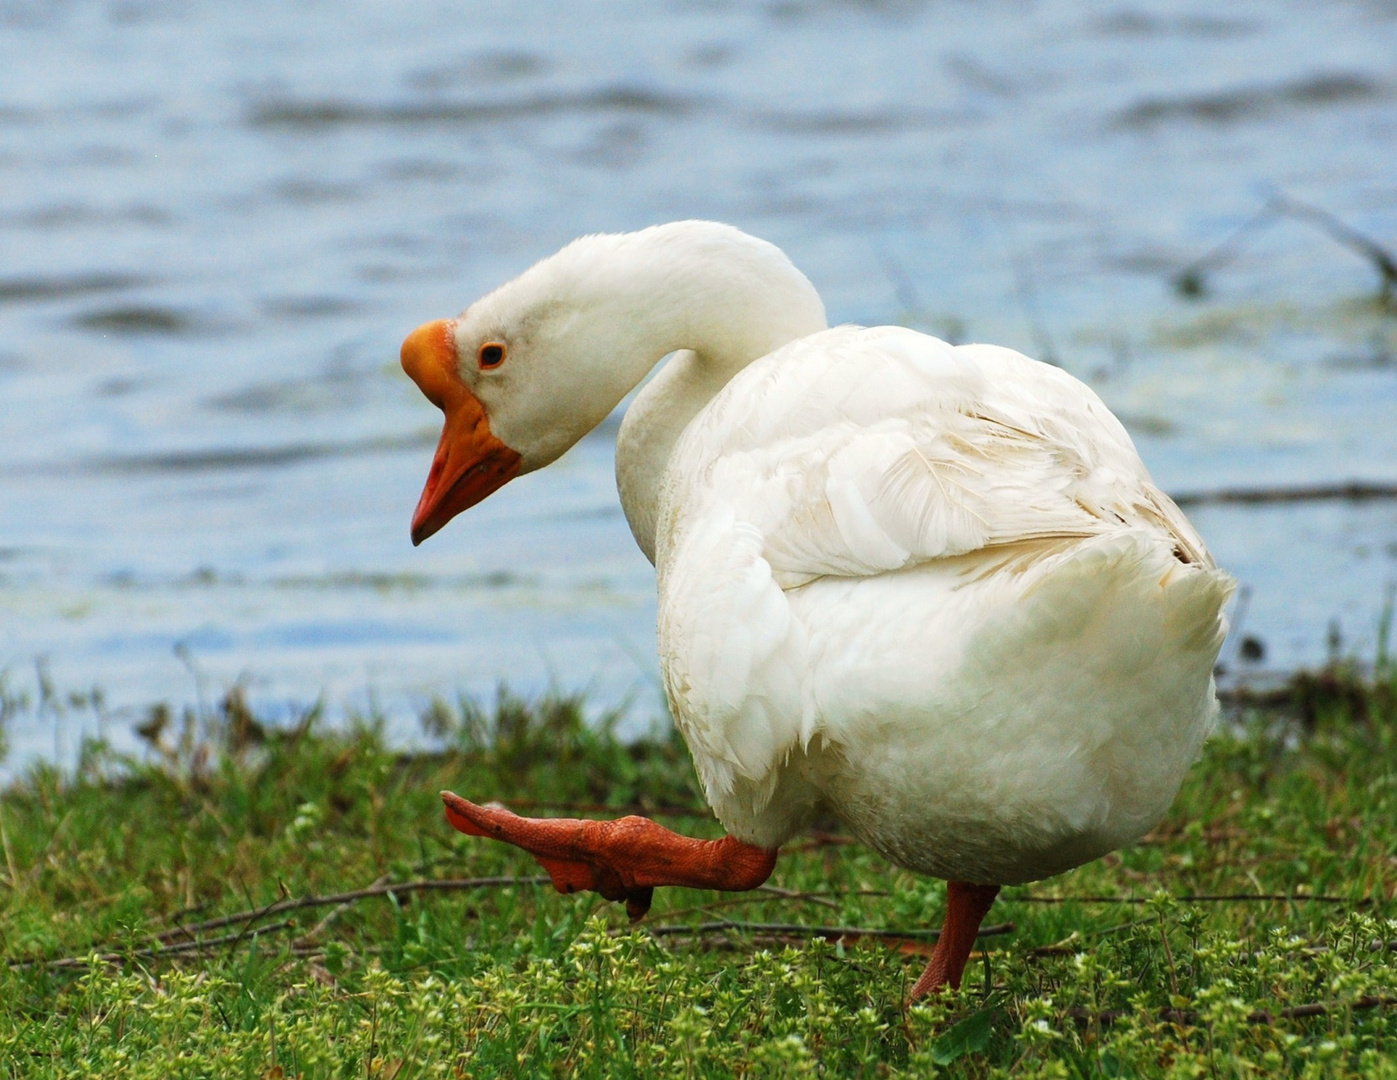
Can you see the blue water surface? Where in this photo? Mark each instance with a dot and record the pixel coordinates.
(217, 222)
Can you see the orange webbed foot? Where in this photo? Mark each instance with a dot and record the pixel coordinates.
(625, 859)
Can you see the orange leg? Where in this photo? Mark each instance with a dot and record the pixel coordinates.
(966, 907)
(623, 859)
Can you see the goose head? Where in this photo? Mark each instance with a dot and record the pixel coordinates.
(525, 372)
(518, 379)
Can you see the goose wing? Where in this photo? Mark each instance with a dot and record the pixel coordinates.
(855, 453)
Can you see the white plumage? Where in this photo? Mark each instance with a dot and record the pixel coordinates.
(931, 588)
(935, 589)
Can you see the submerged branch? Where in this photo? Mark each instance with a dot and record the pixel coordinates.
(1350, 491)
(1346, 235)
(1191, 281)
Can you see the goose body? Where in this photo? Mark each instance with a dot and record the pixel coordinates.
(932, 589)
(929, 588)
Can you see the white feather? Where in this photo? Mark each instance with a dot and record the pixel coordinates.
(995, 655)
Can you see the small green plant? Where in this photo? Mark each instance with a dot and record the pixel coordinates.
(248, 900)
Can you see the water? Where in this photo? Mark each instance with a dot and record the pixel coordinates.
(217, 222)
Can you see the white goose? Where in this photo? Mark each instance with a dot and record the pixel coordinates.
(929, 588)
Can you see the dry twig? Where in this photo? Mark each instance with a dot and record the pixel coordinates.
(1191, 281)
(70, 962)
(604, 808)
(165, 945)
(392, 888)
(829, 933)
(1196, 898)
(1349, 491)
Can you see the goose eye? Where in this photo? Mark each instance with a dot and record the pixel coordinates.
(491, 355)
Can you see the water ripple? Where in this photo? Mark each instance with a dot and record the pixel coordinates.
(1250, 102)
(236, 457)
(31, 289)
(332, 113)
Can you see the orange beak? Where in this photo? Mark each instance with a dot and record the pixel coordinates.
(470, 463)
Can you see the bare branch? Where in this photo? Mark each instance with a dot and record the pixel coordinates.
(1350, 237)
(429, 885)
(829, 933)
(70, 962)
(1349, 491)
(1191, 280)
(334, 913)
(165, 946)
(1197, 898)
(606, 808)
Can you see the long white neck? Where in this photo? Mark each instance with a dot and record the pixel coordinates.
(586, 325)
(651, 427)
(715, 298)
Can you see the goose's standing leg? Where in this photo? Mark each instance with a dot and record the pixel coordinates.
(623, 859)
(966, 907)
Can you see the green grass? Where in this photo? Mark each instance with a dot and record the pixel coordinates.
(515, 980)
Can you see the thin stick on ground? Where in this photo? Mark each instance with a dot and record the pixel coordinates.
(773, 893)
(334, 913)
(340, 901)
(829, 933)
(610, 809)
(70, 962)
(426, 885)
(1198, 898)
(1073, 943)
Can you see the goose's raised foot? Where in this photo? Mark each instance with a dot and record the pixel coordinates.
(623, 859)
